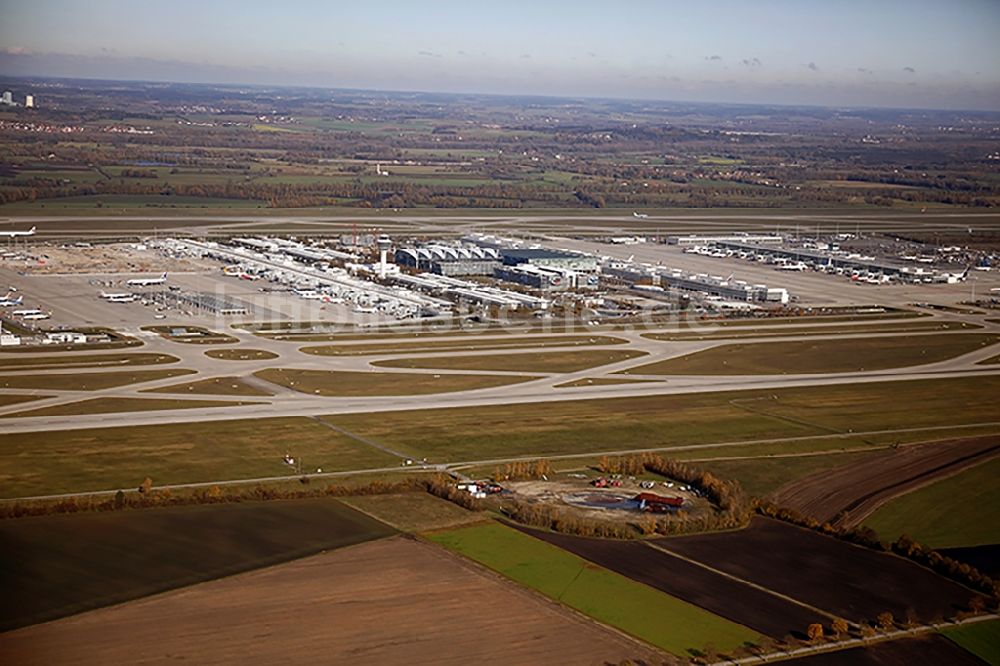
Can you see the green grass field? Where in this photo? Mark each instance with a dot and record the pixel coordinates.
(555, 362)
(329, 383)
(87, 361)
(113, 405)
(581, 426)
(41, 463)
(659, 619)
(88, 381)
(8, 399)
(215, 386)
(708, 332)
(241, 354)
(52, 566)
(413, 512)
(963, 510)
(405, 346)
(820, 356)
(980, 638)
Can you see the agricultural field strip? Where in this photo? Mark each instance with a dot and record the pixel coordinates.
(742, 581)
(849, 580)
(853, 490)
(459, 465)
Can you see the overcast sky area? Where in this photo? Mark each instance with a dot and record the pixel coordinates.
(902, 53)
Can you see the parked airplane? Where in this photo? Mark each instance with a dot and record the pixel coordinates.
(123, 297)
(21, 313)
(147, 282)
(7, 301)
(36, 315)
(641, 216)
(15, 234)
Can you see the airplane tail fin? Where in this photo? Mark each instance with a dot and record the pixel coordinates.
(31, 230)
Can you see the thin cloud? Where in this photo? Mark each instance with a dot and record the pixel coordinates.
(909, 70)
(429, 54)
(813, 66)
(751, 62)
(713, 57)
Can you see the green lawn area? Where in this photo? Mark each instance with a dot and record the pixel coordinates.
(709, 332)
(581, 426)
(410, 346)
(980, 638)
(329, 383)
(820, 356)
(241, 354)
(413, 512)
(963, 510)
(8, 399)
(657, 618)
(52, 566)
(41, 463)
(88, 381)
(85, 361)
(555, 362)
(112, 405)
(214, 386)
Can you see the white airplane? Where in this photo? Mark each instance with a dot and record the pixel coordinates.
(36, 315)
(123, 297)
(7, 301)
(147, 282)
(21, 313)
(15, 234)
(638, 215)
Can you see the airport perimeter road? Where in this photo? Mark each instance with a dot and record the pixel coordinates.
(529, 392)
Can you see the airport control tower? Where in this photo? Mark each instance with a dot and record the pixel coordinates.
(384, 243)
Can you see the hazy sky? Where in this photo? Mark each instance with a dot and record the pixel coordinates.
(922, 53)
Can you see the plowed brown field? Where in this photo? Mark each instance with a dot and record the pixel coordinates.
(859, 488)
(395, 601)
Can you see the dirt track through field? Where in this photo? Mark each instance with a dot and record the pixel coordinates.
(394, 601)
(848, 494)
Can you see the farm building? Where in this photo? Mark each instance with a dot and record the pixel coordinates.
(657, 503)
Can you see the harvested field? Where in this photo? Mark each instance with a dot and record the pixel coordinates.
(664, 621)
(930, 649)
(858, 488)
(413, 512)
(54, 566)
(424, 607)
(717, 594)
(849, 581)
